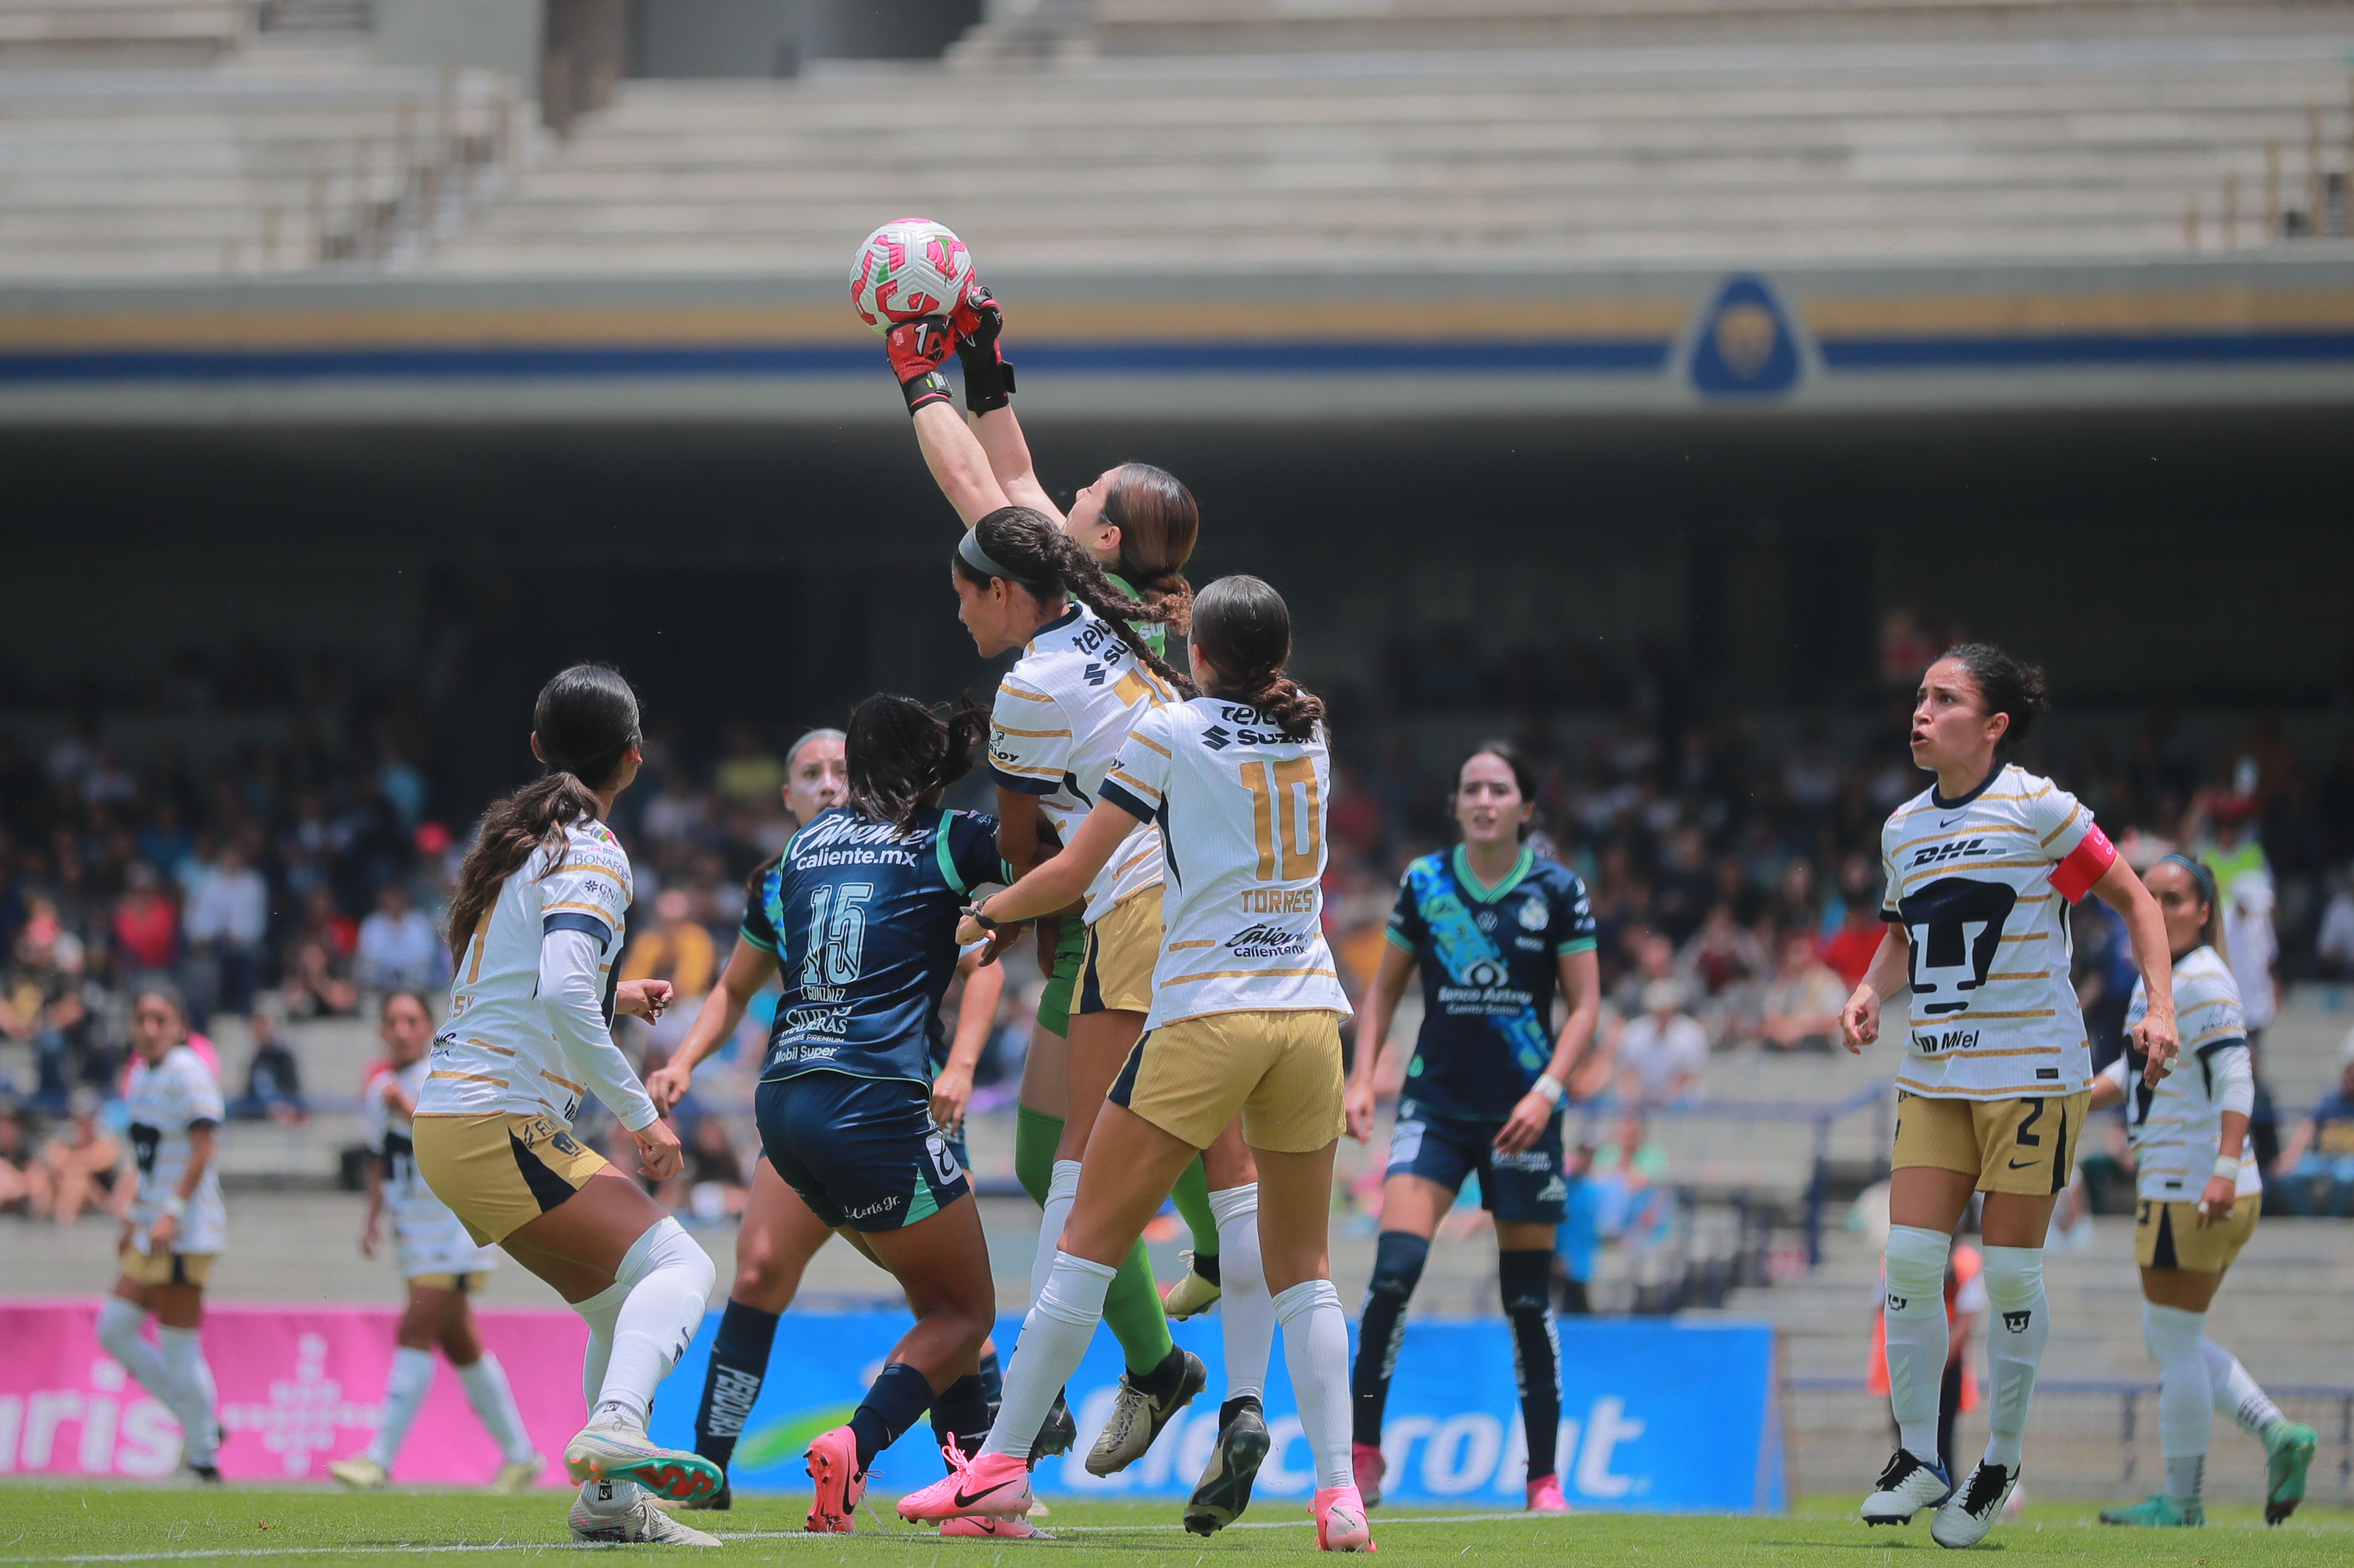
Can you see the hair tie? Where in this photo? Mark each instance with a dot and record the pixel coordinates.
(969, 550)
(2199, 873)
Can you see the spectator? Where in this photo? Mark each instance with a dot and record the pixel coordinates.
(2333, 946)
(274, 1082)
(145, 927)
(2317, 1164)
(2255, 950)
(318, 966)
(49, 1004)
(78, 1165)
(1856, 938)
(749, 774)
(16, 1163)
(226, 919)
(715, 1184)
(1800, 1010)
(1661, 1050)
(676, 949)
(398, 948)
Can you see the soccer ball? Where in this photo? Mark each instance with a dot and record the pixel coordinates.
(910, 267)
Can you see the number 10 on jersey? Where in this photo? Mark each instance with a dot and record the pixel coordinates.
(1285, 791)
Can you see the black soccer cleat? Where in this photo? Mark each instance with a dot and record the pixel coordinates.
(723, 1500)
(1225, 1487)
(1056, 1432)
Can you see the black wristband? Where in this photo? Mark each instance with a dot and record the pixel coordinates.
(931, 387)
(988, 378)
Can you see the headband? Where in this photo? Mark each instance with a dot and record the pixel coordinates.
(969, 552)
(2199, 873)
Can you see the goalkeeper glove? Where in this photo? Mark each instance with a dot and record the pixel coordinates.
(917, 350)
(988, 377)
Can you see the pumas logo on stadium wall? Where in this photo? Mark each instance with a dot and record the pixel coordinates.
(1742, 344)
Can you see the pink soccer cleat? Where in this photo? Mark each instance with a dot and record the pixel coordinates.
(1544, 1496)
(987, 1486)
(834, 1466)
(1014, 1529)
(1341, 1521)
(1365, 1459)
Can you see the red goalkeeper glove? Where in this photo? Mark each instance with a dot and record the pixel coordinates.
(917, 350)
(988, 377)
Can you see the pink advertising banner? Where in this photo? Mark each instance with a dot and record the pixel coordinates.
(299, 1386)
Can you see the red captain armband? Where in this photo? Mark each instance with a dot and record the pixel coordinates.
(2084, 865)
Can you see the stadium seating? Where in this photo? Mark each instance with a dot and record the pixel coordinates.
(1523, 161)
(118, 32)
(285, 156)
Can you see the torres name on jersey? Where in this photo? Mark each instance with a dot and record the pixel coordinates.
(1979, 885)
(1240, 808)
(1061, 715)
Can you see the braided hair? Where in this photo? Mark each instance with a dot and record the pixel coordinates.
(1026, 548)
(1242, 628)
(902, 754)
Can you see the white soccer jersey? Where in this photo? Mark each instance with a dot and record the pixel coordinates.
(1979, 883)
(166, 1101)
(1241, 813)
(1061, 714)
(2177, 1129)
(503, 1046)
(426, 1236)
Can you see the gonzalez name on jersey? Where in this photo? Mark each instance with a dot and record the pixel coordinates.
(165, 1101)
(503, 1046)
(861, 918)
(1243, 805)
(426, 1236)
(1490, 961)
(2175, 1128)
(1979, 885)
(1060, 718)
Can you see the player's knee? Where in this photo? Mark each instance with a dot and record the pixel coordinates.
(1916, 1266)
(1398, 1258)
(2013, 1274)
(119, 1322)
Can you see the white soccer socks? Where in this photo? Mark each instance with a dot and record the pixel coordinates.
(1316, 1353)
(485, 1382)
(669, 1279)
(601, 1312)
(185, 1368)
(1061, 1191)
(119, 1322)
(1054, 1338)
(2020, 1325)
(1914, 1308)
(2237, 1395)
(404, 1393)
(1245, 1312)
(2185, 1402)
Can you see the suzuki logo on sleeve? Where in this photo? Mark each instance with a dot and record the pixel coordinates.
(1955, 925)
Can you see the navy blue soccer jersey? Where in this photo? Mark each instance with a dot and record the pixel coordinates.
(862, 917)
(1491, 961)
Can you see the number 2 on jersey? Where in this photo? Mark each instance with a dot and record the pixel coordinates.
(837, 945)
(1285, 791)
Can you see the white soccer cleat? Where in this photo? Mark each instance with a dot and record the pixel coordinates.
(1970, 1512)
(1137, 1417)
(1906, 1487)
(643, 1524)
(517, 1475)
(1191, 1295)
(359, 1472)
(613, 1452)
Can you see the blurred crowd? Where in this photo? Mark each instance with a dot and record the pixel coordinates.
(1735, 882)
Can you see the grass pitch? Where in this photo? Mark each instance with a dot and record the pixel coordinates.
(42, 1525)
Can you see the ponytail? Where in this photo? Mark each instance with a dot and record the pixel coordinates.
(901, 754)
(584, 724)
(1020, 545)
(1242, 628)
(1157, 521)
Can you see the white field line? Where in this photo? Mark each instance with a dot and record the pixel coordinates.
(258, 1551)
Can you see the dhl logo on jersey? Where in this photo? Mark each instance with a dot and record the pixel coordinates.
(1960, 849)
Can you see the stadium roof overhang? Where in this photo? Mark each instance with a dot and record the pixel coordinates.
(2263, 327)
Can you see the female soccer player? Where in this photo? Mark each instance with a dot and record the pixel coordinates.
(536, 927)
(780, 1234)
(1246, 1020)
(2190, 1134)
(1997, 1072)
(861, 916)
(176, 1226)
(1493, 928)
(1138, 521)
(439, 1263)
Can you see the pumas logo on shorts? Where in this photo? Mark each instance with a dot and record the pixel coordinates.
(564, 1144)
(2016, 1321)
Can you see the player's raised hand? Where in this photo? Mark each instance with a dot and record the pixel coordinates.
(918, 349)
(1860, 1020)
(979, 325)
